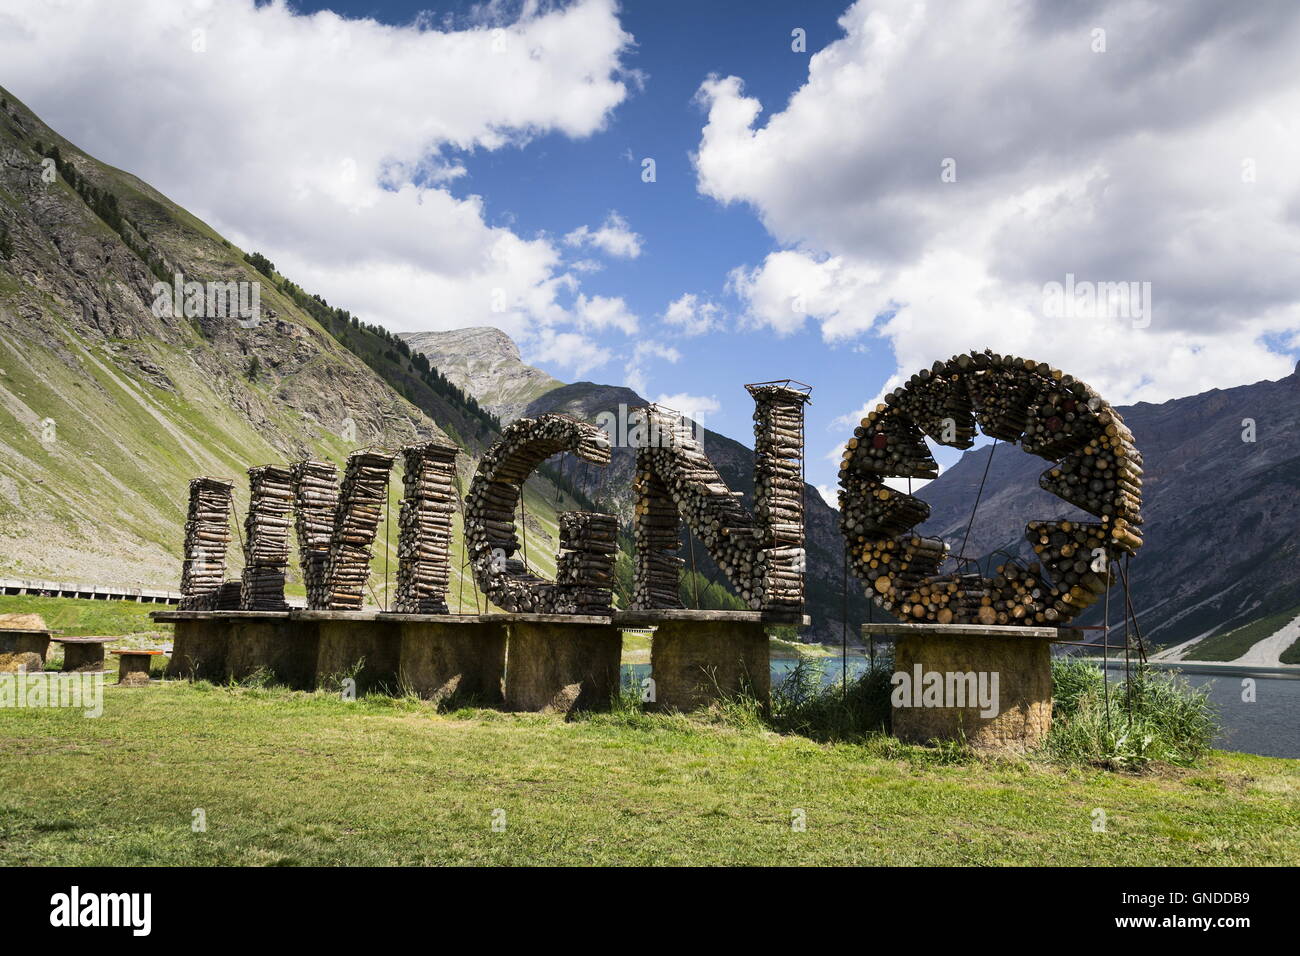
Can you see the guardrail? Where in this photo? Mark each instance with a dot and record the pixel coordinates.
(92, 592)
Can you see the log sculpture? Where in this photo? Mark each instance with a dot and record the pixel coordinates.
(361, 504)
(315, 500)
(424, 539)
(583, 585)
(1051, 414)
(266, 538)
(762, 554)
(207, 536)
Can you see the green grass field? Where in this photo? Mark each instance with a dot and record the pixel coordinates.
(296, 778)
(76, 617)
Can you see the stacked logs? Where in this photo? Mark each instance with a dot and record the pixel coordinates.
(1002, 394)
(266, 538)
(207, 536)
(937, 401)
(675, 482)
(361, 505)
(493, 500)
(1054, 416)
(693, 490)
(424, 541)
(657, 567)
(779, 491)
(315, 499)
(887, 443)
(584, 572)
(227, 598)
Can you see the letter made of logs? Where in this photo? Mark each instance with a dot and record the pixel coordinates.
(588, 541)
(762, 553)
(1095, 466)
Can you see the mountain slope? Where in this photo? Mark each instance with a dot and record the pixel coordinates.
(484, 362)
(1222, 532)
(106, 409)
(491, 361)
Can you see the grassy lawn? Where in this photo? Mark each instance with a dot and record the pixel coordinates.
(78, 617)
(296, 778)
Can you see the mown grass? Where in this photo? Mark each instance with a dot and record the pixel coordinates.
(78, 617)
(295, 778)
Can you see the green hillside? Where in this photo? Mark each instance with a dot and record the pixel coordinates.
(140, 403)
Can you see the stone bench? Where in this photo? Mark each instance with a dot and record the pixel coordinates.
(133, 669)
(83, 654)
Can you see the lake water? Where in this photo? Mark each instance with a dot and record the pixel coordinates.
(1269, 726)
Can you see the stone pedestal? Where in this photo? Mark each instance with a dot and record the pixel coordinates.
(199, 649)
(694, 663)
(367, 651)
(133, 669)
(966, 658)
(22, 650)
(284, 649)
(555, 666)
(454, 661)
(83, 654)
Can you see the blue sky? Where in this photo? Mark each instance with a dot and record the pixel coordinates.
(912, 185)
(555, 183)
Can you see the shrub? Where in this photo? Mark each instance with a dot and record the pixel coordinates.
(805, 703)
(1153, 717)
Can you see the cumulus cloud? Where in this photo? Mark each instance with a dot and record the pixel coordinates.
(943, 163)
(599, 312)
(698, 408)
(634, 370)
(691, 315)
(615, 238)
(329, 143)
(569, 350)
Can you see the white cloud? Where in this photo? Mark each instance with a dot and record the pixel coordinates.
(634, 370)
(569, 350)
(615, 238)
(1118, 166)
(327, 143)
(790, 286)
(600, 312)
(698, 408)
(690, 315)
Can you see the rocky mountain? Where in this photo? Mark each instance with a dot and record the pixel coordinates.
(484, 362)
(492, 371)
(1221, 505)
(110, 400)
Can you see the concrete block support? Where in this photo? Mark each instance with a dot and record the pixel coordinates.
(368, 651)
(23, 650)
(1022, 664)
(461, 662)
(559, 667)
(199, 650)
(695, 662)
(285, 649)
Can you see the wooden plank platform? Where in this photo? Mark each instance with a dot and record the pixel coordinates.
(661, 615)
(391, 617)
(965, 630)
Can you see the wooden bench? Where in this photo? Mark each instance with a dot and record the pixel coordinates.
(133, 671)
(83, 653)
